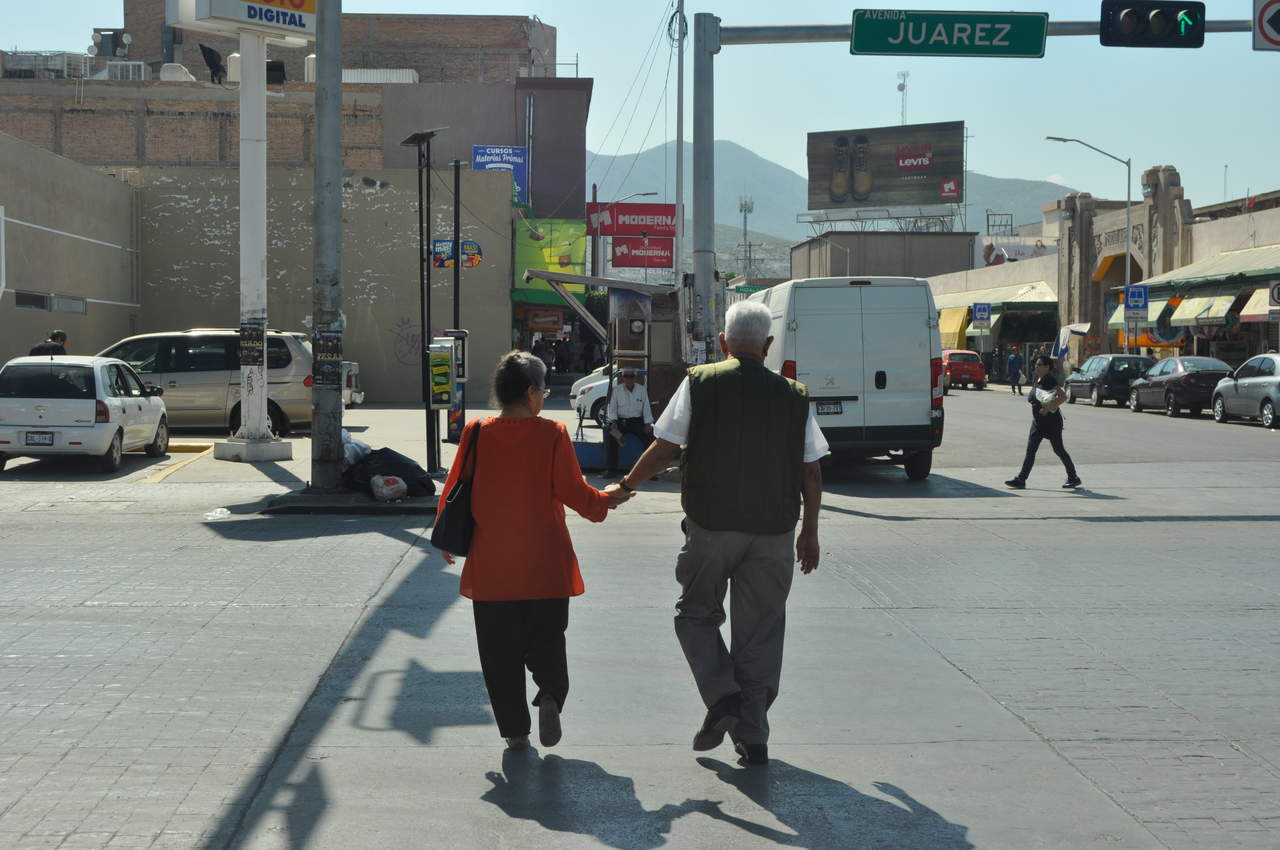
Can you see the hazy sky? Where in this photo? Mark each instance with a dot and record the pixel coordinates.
(1199, 110)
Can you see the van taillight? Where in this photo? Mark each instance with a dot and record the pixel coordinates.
(789, 369)
(100, 412)
(936, 379)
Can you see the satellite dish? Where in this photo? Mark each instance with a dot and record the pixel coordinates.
(93, 49)
(127, 39)
(119, 51)
(97, 38)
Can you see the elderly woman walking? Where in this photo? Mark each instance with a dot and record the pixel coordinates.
(521, 568)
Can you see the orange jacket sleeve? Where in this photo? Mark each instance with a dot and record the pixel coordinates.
(568, 485)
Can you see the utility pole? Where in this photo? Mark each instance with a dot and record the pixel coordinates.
(595, 238)
(326, 286)
(746, 206)
(705, 308)
(684, 296)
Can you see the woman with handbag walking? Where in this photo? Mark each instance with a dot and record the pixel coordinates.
(1046, 397)
(503, 509)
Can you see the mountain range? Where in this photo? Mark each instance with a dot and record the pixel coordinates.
(778, 194)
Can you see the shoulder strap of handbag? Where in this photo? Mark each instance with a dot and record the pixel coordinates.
(472, 450)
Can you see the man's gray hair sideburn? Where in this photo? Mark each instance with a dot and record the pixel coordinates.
(746, 325)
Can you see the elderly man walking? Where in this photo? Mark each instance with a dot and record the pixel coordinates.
(752, 448)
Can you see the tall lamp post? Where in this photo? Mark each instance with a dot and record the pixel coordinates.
(1128, 214)
(422, 141)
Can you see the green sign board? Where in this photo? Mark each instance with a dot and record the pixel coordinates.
(896, 32)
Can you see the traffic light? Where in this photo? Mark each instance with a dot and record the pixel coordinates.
(1126, 23)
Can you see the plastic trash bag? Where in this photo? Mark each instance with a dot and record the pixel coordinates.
(353, 450)
(388, 488)
(359, 475)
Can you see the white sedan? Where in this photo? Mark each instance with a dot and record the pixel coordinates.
(65, 405)
(589, 394)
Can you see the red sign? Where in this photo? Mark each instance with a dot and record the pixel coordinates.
(631, 220)
(950, 190)
(632, 252)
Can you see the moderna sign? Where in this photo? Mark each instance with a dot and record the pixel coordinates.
(654, 220)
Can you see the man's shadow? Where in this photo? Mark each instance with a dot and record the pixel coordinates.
(572, 795)
(822, 812)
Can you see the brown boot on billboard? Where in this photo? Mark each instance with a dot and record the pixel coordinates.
(840, 169)
(861, 169)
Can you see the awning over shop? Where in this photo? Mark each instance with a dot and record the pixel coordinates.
(951, 324)
(557, 281)
(1257, 309)
(995, 323)
(1230, 266)
(1208, 310)
(1154, 308)
(1036, 295)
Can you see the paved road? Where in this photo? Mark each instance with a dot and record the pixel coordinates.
(970, 667)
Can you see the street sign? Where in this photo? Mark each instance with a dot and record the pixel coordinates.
(1135, 303)
(1275, 294)
(982, 317)
(1266, 24)
(899, 32)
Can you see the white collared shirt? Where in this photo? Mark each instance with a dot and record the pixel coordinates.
(630, 404)
(673, 425)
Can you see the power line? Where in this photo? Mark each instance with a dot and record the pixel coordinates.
(623, 104)
(661, 103)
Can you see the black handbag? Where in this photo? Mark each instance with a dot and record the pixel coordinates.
(455, 523)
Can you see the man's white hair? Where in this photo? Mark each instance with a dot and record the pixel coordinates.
(747, 324)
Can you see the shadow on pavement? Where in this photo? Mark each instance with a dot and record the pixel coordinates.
(822, 812)
(581, 797)
(882, 481)
(77, 468)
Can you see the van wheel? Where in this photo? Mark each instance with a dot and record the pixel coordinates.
(110, 461)
(279, 424)
(918, 465)
(159, 445)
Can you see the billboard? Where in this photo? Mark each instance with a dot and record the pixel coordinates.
(289, 17)
(998, 250)
(903, 166)
(550, 244)
(631, 220)
(505, 158)
(634, 252)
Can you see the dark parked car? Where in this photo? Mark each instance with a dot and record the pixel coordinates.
(1177, 384)
(1106, 376)
(1252, 391)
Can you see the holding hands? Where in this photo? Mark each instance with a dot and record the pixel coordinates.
(617, 495)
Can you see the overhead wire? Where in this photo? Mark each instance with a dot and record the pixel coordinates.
(622, 105)
(661, 103)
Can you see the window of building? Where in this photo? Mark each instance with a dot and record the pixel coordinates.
(31, 300)
(68, 304)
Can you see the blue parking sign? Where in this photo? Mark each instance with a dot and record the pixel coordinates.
(1135, 303)
(982, 316)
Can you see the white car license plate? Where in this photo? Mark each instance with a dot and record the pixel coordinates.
(830, 407)
(39, 438)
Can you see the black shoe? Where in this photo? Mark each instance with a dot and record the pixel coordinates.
(1016, 483)
(548, 721)
(721, 718)
(752, 753)
(1072, 483)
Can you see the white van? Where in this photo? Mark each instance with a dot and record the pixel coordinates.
(868, 350)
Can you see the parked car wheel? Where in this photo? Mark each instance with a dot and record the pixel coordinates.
(279, 425)
(1268, 414)
(1219, 409)
(110, 460)
(159, 445)
(1096, 396)
(597, 412)
(918, 465)
(1170, 405)
(980, 386)
(1071, 395)
(1134, 404)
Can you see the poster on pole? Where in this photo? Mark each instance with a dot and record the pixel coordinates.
(902, 166)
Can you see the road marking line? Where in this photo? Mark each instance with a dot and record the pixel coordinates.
(157, 477)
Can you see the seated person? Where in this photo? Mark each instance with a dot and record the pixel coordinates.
(628, 413)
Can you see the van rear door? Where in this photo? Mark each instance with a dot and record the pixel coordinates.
(828, 353)
(896, 354)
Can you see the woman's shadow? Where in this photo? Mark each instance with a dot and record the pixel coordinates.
(822, 812)
(571, 795)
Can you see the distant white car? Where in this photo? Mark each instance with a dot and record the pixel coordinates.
(67, 405)
(589, 395)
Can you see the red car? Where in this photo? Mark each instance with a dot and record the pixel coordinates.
(962, 368)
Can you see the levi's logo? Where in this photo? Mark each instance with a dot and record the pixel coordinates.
(915, 161)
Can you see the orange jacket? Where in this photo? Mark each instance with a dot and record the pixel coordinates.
(526, 474)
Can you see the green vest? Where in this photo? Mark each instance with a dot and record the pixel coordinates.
(744, 465)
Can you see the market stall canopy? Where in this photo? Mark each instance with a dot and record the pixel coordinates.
(1257, 309)
(1036, 295)
(558, 280)
(1155, 307)
(1207, 310)
(951, 322)
(1248, 264)
(995, 321)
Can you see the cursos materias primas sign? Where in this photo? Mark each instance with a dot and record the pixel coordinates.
(286, 17)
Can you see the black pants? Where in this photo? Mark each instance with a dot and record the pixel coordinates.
(512, 636)
(1054, 436)
(626, 426)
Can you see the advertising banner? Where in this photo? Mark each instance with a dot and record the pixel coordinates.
(909, 165)
(632, 220)
(442, 253)
(997, 250)
(505, 158)
(633, 252)
(550, 244)
(290, 17)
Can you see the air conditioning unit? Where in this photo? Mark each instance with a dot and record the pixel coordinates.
(128, 71)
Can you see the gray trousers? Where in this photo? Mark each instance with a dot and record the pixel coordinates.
(759, 568)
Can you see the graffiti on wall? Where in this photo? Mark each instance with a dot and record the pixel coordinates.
(406, 341)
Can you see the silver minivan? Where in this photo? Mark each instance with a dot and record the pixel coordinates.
(1252, 391)
(199, 370)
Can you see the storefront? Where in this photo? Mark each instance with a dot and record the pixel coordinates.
(1024, 317)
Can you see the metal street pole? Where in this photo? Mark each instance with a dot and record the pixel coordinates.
(457, 243)
(254, 424)
(595, 238)
(705, 307)
(681, 28)
(326, 287)
(1128, 214)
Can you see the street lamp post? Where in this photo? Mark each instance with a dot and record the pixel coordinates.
(422, 141)
(1128, 213)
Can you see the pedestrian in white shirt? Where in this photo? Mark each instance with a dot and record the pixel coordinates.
(629, 412)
